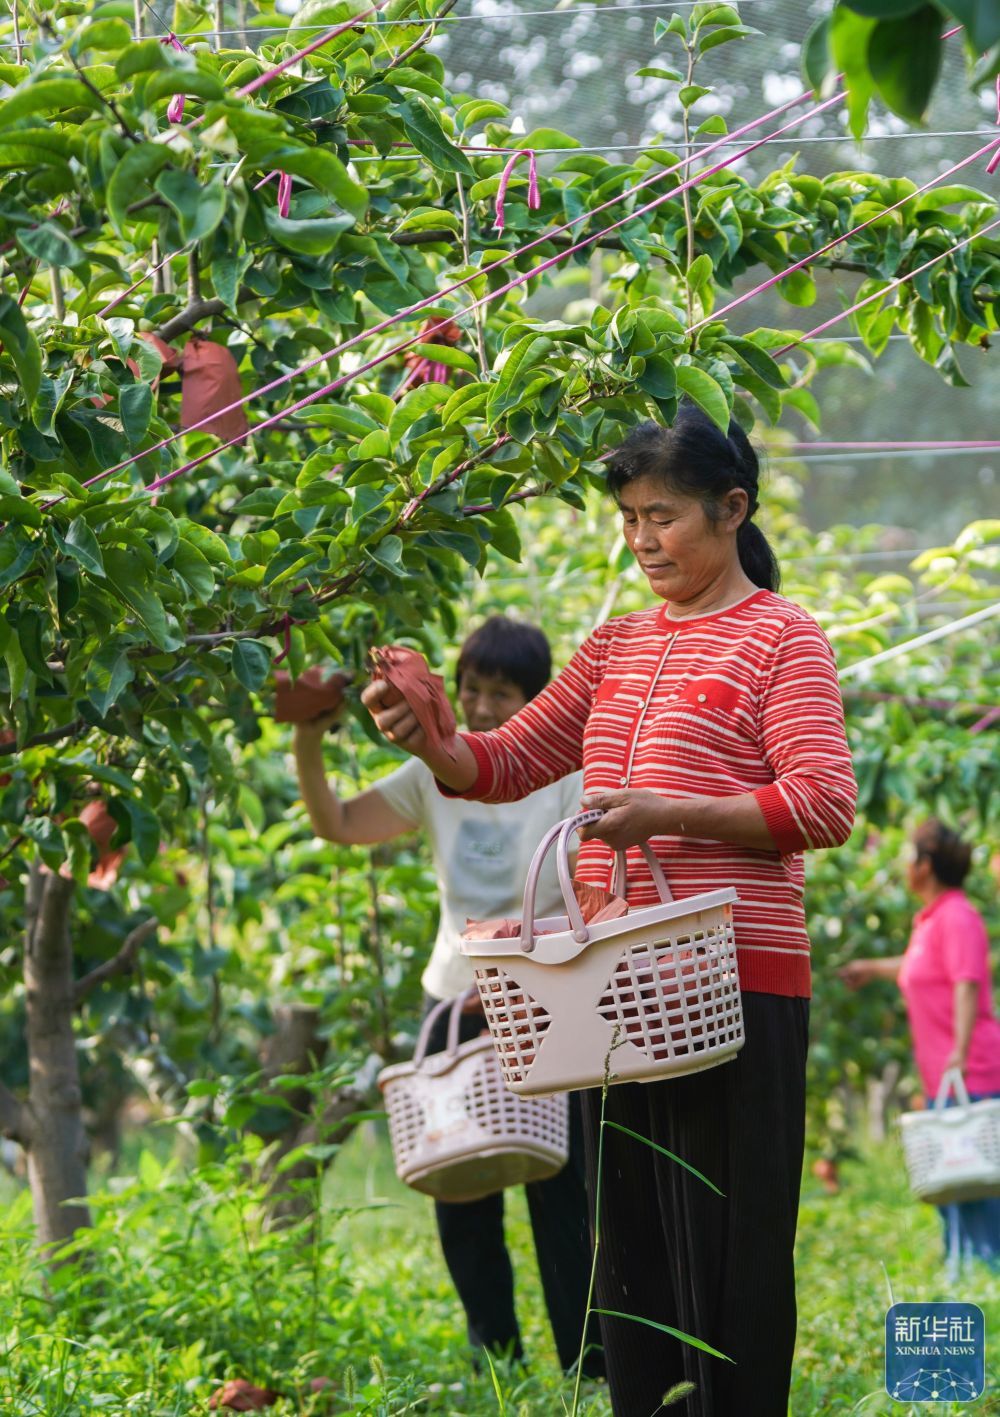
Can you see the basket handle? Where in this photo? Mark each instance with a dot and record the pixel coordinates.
(563, 830)
(454, 1020)
(619, 874)
(952, 1079)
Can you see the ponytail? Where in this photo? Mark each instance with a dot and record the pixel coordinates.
(756, 556)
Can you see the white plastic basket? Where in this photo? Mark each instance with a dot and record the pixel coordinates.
(953, 1153)
(662, 981)
(457, 1133)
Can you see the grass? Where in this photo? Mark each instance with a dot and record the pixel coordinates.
(184, 1291)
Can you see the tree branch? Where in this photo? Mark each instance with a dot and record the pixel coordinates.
(199, 310)
(121, 963)
(13, 1117)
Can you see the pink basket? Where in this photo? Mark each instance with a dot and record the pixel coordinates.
(457, 1133)
(653, 994)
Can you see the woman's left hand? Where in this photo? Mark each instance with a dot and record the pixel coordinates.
(631, 817)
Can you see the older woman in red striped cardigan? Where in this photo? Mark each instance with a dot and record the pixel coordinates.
(712, 726)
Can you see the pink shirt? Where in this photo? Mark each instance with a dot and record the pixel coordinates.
(949, 943)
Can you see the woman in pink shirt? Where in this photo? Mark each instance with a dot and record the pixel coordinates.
(944, 977)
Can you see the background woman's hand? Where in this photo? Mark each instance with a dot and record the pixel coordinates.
(393, 717)
(317, 727)
(857, 973)
(631, 817)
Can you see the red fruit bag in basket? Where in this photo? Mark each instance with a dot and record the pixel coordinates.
(407, 672)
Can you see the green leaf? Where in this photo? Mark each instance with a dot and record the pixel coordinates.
(904, 57)
(849, 36)
(309, 238)
(413, 406)
(529, 350)
(20, 344)
(251, 663)
(691, 93)
(652, 72)
(185, 79)
(132, 177)
(135, 406)
(109, 674)
(388, 553)
(663, 1152)
(142, 58)
(705, 392)
(658, 378)
(817, 59)
(327, 174)
(725, 36)
(17, 665)
(200, 206)
(430, 219)
(125, 580)
(49, 96)
(17, 553)
(82, 545)
(799, 288)
(477, 110)
(110, 34)
(981, 19)
(883, 9)
(446, 354)
(665, 1328)
(547, 138)
(145, 829)
(194, 570)
(756, 359)
(47, 404)
(227, 271)
(428, 137)
(49, 243)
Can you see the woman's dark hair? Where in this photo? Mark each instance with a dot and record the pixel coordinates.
(949, 855)
(517, 651)
(696, 458)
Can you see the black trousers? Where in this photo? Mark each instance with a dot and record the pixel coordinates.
(475, 1252)
(717, 1267)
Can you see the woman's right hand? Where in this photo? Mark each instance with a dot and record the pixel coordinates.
(393, 717)
(857, 973)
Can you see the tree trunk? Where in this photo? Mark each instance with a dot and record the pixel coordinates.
(56, 1142)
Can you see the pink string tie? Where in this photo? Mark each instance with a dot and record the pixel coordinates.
(534, 200)
(994, 161)
(175, 108)
(284, 193)
(284, 189)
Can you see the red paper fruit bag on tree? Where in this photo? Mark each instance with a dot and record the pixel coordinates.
(211, 381)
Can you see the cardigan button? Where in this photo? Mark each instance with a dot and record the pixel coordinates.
(623, 781)
(702, 698)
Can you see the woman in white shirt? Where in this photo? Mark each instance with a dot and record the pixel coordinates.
(481, 855)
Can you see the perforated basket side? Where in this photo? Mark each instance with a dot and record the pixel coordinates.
(445, 1126)
(678, 995)
(518, 1022)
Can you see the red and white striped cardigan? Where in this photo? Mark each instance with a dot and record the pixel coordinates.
(746, 700)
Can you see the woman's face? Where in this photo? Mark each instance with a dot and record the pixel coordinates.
(679, 549)
(488, 700)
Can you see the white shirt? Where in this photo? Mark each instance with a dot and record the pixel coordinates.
(482, 851)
